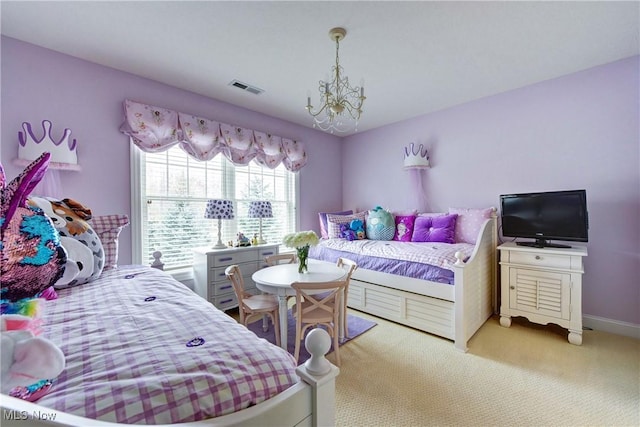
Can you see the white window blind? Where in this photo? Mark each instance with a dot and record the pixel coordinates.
(173, 191)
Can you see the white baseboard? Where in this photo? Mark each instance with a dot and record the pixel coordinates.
(613, 326)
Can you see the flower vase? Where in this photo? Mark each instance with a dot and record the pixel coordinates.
(303, 255)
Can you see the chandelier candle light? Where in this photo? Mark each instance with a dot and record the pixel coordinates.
(301, 241)
(260, 209)
(341, 104)
(219, 209)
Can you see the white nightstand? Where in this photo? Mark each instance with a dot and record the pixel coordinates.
(209, 264)
(544, 285)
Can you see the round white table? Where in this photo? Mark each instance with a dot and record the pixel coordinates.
(277, 280)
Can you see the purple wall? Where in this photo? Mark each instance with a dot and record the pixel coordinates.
(87, 98)
(577, 131)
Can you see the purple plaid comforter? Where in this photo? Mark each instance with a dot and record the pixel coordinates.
(142, 348)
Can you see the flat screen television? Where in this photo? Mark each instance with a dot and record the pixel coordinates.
(546, 216)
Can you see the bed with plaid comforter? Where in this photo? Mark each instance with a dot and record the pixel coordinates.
(142, 348)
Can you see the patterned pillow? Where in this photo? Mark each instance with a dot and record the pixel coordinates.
(324, 228)
(81, 242)
(335, 221)
(404, 227)
(434, 229)
(31, 256)
(469, 223)
(108, 227)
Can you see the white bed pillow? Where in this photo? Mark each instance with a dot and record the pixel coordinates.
(469, 223)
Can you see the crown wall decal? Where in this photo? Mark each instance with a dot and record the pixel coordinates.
(415, 159)
(64, 153)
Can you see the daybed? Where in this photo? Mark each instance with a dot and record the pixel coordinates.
(452, 301)
(141, 347)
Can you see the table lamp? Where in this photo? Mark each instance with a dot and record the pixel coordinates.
(219, 209)
(260, 209)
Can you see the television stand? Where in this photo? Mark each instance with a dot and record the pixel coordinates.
(543, 285)
(541, 243)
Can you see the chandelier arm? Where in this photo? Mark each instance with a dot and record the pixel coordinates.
(341, 103)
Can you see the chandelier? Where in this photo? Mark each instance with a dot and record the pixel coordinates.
(341, 104)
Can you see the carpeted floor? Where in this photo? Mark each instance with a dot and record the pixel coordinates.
(356, 324)
(525, 375)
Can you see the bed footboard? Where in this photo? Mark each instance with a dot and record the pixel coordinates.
(475, 286)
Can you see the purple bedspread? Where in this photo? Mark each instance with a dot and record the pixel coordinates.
(392, 266)
(142, 348)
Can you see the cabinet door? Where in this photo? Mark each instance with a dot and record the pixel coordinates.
(544, 293)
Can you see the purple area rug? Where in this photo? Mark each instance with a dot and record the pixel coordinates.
(357, 326)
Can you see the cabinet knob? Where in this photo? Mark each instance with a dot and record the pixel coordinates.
(512, 287)
(538, 257)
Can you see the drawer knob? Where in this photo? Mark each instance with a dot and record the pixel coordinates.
(538, 257)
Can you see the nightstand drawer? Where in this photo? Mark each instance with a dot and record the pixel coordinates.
(218, 260)
(540, 259)
(221, 288)
(209, 265)
(224, 302)
(217, 274)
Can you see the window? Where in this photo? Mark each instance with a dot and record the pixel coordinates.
(171, 194)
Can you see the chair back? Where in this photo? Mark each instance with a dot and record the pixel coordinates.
(234, 275)
(280, 259)
(321, 298)
(348, 265)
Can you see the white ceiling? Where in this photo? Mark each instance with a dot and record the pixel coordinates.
(414, 57)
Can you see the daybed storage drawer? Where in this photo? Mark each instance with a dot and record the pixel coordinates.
(540, 260)
(418, 311)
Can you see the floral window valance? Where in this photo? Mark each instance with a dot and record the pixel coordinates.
(155, 129)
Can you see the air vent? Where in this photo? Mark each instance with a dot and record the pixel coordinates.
(254, 90)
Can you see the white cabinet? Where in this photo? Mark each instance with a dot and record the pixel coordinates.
(544, 285)
(209, 265)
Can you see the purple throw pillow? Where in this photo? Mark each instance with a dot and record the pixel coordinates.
(322, 216)
(435, 229)
(404, 227)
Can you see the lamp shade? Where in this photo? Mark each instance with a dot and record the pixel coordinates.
(219, 209)
(260, 209)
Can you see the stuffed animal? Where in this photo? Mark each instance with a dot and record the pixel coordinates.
(28, 362)
(32, 256)
(82, 244)
(380, 224)
(243, 240)
(347, 233)
(358, 227)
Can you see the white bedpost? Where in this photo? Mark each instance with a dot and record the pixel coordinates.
(460, 340)
(157, 263)
(321, 375)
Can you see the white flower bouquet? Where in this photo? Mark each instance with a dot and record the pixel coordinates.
(301, 241)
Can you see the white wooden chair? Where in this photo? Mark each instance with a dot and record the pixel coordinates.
(249, 305)
(318, 303)
(289, 258)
